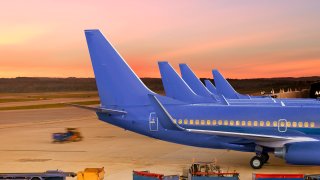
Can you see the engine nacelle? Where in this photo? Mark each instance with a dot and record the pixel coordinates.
(300, 153)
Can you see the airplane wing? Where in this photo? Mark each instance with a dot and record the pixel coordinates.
(165, 118)
(99, 109)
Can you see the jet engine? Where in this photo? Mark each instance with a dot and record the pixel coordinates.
(300, 153)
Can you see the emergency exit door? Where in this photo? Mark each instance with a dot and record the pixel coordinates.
(153, 122)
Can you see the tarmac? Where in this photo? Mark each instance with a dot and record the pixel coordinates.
(26, 146)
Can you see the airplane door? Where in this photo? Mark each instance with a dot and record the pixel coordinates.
(153, 122)
(282, 125)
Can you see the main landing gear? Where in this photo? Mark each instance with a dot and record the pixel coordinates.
(259, 160)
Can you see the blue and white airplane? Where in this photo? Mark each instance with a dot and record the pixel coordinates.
(291, 133)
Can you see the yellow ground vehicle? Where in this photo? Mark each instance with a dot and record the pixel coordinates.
(91, 174)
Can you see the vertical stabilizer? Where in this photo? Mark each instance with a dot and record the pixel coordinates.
(193, 81)
(175, 87)
(117, 84)
(223, 86)
(211, 87)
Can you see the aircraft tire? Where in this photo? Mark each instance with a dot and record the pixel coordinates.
(256, 162)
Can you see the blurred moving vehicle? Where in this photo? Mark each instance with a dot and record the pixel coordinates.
(71, 135)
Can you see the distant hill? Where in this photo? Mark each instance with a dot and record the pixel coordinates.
(248, 86)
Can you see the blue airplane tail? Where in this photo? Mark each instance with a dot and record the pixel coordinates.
(192, 80)
(211, 87)
(176, 88)
(224, 88)
(117, 84)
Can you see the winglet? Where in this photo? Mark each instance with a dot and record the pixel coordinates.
(164, 117)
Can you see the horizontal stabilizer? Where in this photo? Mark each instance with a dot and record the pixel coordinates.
(165, 119)
(99, 109)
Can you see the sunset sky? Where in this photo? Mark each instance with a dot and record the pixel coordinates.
(243, 39)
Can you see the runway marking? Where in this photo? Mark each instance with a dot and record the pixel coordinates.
(34, 160)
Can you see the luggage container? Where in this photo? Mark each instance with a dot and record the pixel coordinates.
(277, 176)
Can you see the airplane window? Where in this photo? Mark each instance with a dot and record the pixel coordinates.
(312, 124)
(220, 122)
(226, 122)
(231, 123)
(268, 123)
(208, 122)
(300, 124)
(288, 124)
(197, 122)
(282, 124)
(275, 123)
(306, 124)
(185, 121)
(255, 123)
(249, 123)
(202, 122)
(294, 124)
(180, 121)
(243, 123)
(191, 121)
(237, 123)
(174, 120)
(214, 122)
(261, 123)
